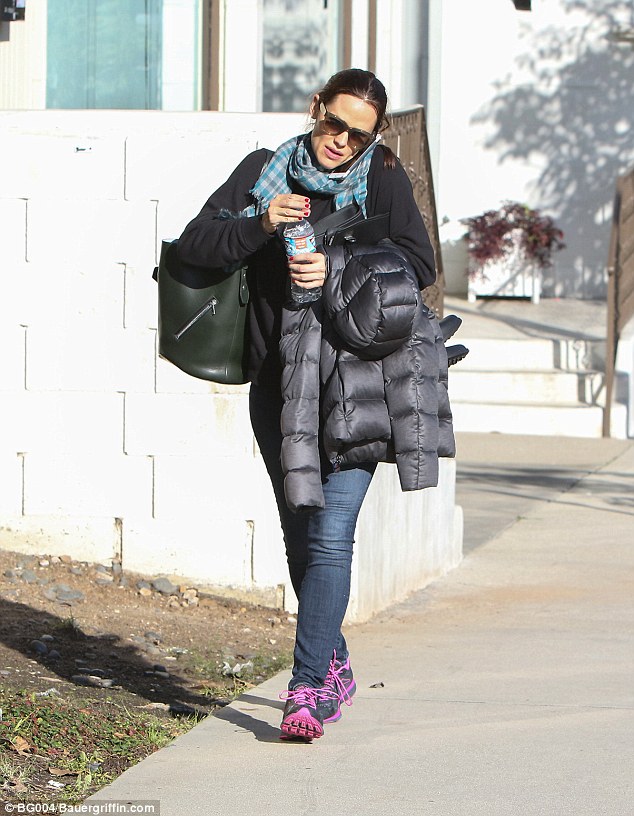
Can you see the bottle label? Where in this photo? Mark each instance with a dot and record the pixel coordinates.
(300, 244)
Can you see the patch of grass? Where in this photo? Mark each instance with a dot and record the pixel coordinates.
(69, 626)
(41, 738)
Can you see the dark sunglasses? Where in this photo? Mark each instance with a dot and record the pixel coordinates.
(334, 126)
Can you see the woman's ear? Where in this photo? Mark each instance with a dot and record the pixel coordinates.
(314, 106)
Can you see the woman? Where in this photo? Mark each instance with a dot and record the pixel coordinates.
(337, 163)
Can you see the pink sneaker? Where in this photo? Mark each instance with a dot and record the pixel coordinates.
(302, 718)
(338, 688)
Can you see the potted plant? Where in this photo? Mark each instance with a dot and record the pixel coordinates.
(508, 250)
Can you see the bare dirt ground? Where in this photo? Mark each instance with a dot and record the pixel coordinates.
(77, 637)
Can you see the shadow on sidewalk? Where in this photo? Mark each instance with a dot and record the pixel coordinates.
(548, 484)
(237, 714)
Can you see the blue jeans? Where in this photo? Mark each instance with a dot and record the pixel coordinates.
(318, 546)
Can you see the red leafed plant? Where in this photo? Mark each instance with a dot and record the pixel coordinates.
(494, 234)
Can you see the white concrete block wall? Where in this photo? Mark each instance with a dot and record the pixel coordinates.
(404, 540)
(107, 451)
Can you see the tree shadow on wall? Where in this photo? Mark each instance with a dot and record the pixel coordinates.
(575, 110)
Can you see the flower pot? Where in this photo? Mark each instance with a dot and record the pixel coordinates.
(513, 275)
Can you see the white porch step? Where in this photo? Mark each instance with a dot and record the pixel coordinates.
(544, 420)
(533, 387)
(532, 354)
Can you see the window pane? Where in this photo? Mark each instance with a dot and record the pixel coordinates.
(300, 51)
(104, 54)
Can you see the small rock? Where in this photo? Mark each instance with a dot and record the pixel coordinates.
(47, 638)
(193, 602)
(158, 667)
(56, 559)
(104, 580)
(145, 592)
(92, 671)
(52, 692)
(4, 673)
(65, 559)
(173, 601)
(11, 573)
(162, 674)
(291, 619)
(123, 582)
(116, 568)
(246, 630)
(181, 708)
(101, 568)
(80, 661)
(76, 571)
(44, 562)
(92, 680)
(190, 593)
(272, 641)
(28, 576)
(164, 586)
(50, 594)
(38, 647)
(235, 671)
(54, 655)
(70, 595)
(155, 637)
(274, 621)
(143, 585)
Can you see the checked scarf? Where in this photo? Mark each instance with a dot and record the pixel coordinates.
(294, 160)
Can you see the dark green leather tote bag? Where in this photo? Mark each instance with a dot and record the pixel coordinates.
(202, 318)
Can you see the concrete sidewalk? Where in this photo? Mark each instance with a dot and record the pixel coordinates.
(504, 688)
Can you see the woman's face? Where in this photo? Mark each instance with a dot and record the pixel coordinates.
(352, 116)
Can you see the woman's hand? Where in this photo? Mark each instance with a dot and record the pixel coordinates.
(286, 208)
(308, 270)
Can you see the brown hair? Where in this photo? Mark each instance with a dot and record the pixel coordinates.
(367, 87)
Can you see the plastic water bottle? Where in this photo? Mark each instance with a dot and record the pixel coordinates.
(299, 238)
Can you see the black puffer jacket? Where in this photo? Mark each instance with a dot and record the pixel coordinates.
(364, 376)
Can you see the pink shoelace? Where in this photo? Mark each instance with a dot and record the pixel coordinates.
(334, 687)
(302, 695)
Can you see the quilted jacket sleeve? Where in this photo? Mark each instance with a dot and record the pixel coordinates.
(370, 297)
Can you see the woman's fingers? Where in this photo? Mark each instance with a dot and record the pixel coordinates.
(308, 269)
(284, 209)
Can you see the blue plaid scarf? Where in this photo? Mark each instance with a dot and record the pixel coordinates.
(294, 160)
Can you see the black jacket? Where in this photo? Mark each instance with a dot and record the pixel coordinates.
(364, 376)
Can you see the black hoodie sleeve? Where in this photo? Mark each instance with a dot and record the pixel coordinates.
(390, 190)
(217, 236)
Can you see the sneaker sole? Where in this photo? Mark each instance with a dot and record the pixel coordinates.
(304, 726)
